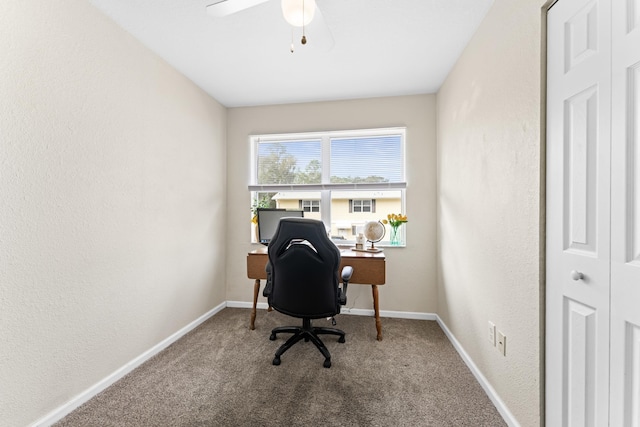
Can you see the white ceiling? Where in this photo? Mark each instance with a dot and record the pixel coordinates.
(380, 47)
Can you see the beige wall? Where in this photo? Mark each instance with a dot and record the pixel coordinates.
(113, 172)
(288, 204)
(411, 271)
(113, 184)
(489, 204)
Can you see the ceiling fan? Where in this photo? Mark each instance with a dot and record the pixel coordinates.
(304, 14)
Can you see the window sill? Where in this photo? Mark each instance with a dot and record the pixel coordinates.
(352, 246)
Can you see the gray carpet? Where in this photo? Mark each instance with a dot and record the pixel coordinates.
(221, 374)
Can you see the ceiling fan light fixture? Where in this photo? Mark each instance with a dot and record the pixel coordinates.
(298, 12)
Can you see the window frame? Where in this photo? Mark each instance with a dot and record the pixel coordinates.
(360, 203)
(325, 187)
(311, 205)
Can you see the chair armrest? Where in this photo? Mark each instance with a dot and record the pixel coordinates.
(347, 272)
(269, 286)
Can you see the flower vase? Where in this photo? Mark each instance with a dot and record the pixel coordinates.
(395, 236)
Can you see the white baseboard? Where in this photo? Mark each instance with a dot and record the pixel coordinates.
(62, 411)
(493, 396)
(244, 304)
(352, 311)
(387, 313)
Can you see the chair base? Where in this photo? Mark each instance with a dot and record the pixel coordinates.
(309, 333)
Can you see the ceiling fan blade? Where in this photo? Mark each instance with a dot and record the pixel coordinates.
(319, 34)
(222, 8)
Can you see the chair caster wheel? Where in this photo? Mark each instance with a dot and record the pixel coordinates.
(341, 339)
(326, 364)
(276, 361)
(272, 337)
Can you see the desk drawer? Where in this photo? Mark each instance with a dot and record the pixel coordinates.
(366, 270)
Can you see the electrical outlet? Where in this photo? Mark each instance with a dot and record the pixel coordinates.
(502, 343)
(492, 334)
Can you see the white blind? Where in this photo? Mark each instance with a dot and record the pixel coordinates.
(365, 159)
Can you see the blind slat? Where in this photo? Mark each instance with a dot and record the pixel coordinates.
(274, 188)
(362, 157)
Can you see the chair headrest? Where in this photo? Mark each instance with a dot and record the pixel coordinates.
(292, 231)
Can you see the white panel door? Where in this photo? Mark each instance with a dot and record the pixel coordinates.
(578, 213)
(625, 215)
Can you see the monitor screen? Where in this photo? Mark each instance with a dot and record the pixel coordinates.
(268, 220)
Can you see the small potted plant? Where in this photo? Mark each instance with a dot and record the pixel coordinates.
(264, 202)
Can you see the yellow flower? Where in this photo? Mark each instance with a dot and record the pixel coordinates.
(396, 220)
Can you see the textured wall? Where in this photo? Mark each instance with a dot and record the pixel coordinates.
(411, 272)
(113, 182)
(489, 173)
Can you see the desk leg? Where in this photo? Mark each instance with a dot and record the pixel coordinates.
(376, 309)
(256, 290)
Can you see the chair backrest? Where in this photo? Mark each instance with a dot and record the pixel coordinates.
(304, 266)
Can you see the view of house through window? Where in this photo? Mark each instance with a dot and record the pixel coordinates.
(342, 178)
(361, 205)
(310, 205)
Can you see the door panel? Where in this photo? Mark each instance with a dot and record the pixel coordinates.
(625, 214)
(632, 14)
(631, 378)
(579, 164)
(578, 215)
(580, 330)
(581, 35)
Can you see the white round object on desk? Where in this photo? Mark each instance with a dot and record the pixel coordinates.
(374, 231)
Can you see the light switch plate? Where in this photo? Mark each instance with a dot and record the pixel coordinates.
(492, 333)
(502, 343)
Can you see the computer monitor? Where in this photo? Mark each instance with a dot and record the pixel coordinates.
(268, 220)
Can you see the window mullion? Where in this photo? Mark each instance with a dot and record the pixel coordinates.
(325, 208)
(326, 160)
(325, 195)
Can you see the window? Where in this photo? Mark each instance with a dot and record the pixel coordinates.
(344, 178)
(357, 229)
(367, 205)
(310, 205)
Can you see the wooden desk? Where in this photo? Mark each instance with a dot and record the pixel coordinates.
(368, 269)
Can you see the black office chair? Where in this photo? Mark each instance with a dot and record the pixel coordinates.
(303, 281)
